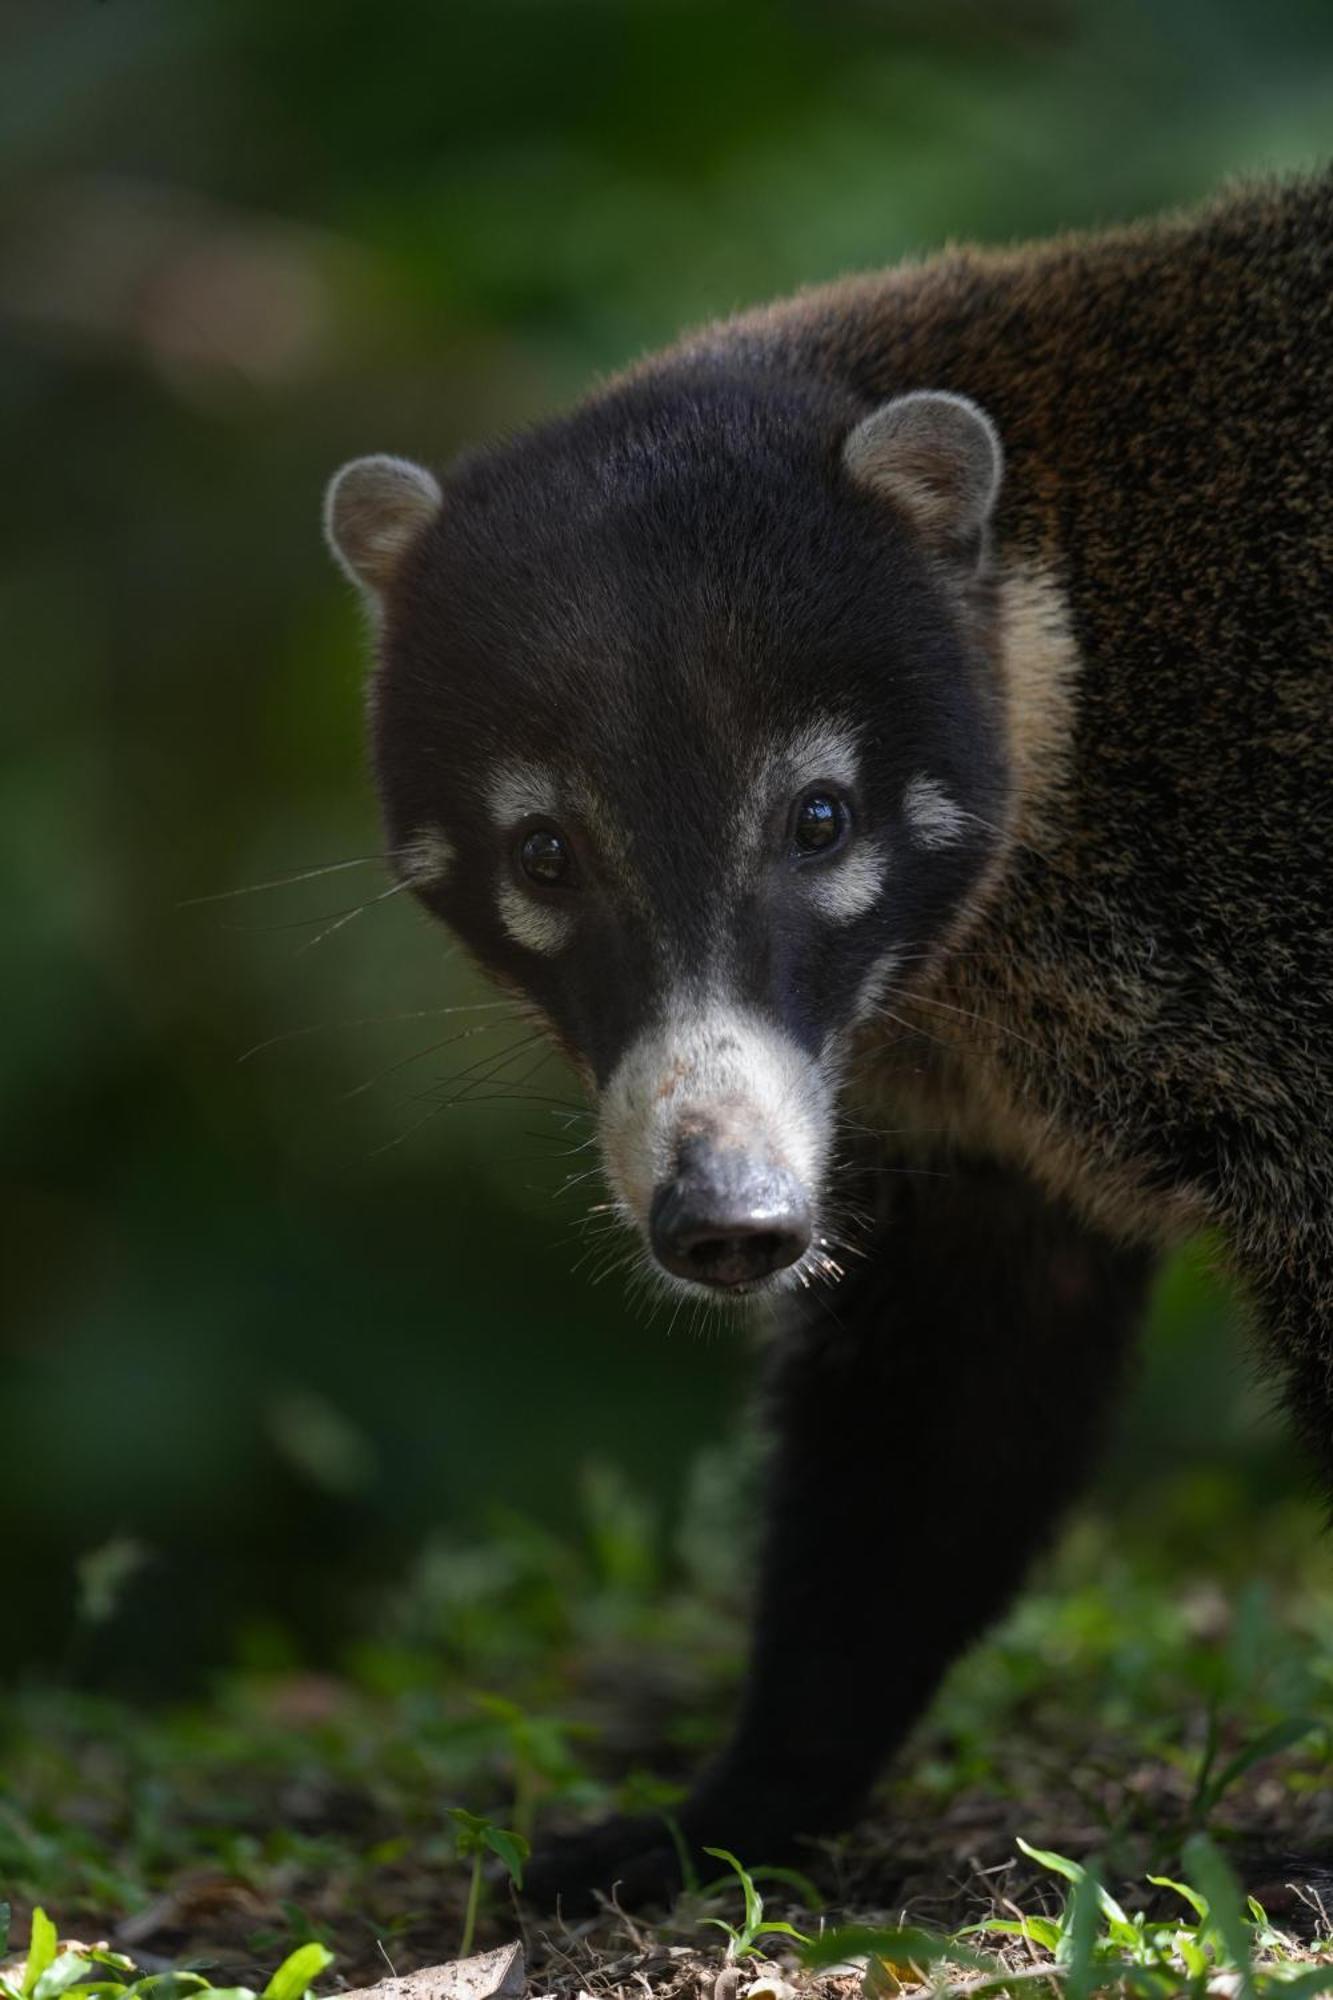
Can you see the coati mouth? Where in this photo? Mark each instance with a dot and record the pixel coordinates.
(715, 1132)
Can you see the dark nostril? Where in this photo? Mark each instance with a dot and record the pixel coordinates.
(732, 1225)
(741, 1259)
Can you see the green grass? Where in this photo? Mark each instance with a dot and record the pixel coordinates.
(1156, 1706)
(1091, 1944)
(95, 1972)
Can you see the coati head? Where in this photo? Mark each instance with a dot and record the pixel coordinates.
(686, 721)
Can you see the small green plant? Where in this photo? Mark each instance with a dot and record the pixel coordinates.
(292, 1979)
(539, 1750)
(94, 1972)
(474, 1839)
(892, 1952)
(1214, 1780)
(643, 1792)
(1095, 1946)
(742, 1939)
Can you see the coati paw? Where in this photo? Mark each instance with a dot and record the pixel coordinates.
(636, 1860)
(632, 1859)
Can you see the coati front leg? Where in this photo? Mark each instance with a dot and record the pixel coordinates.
(932, 1416)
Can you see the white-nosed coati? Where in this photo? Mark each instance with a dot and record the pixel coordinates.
(894, 729)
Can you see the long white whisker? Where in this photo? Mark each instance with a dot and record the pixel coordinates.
(929, 1000)
(367, 1021)
(394, 889)
(283, 881)
(419, 1055)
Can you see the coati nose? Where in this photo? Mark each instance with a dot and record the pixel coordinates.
(730, 1217)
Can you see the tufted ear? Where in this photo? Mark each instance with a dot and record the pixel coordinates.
(939, 457)
(373, 511)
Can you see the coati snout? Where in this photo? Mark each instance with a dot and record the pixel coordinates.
(716, 1130)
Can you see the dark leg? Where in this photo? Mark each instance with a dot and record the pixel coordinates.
(927, 1439)
(1295, 1301)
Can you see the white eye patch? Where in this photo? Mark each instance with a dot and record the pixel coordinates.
(523, 791)
(518, 792)
(533, 924)
(851, 884)
(934, 819)
(821, 752)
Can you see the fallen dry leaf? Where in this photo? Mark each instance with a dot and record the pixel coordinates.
(489, 1975)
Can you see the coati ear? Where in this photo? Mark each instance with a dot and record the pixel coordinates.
(939, 457)
(373, 511)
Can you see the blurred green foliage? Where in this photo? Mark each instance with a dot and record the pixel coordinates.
(270, 1321)
(1130, 1699)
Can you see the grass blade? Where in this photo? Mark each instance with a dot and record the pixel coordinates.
(1226, 1912)
(298, 1972)
(1281, 1736)
(1078, 1946)
(41, 1951)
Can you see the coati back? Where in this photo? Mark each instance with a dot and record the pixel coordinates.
(894, 730)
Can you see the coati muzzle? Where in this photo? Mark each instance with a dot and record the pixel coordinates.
(730, 1216)
(715, 1131)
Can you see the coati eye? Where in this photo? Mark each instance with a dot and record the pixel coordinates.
(545, 856)
(819, 823)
